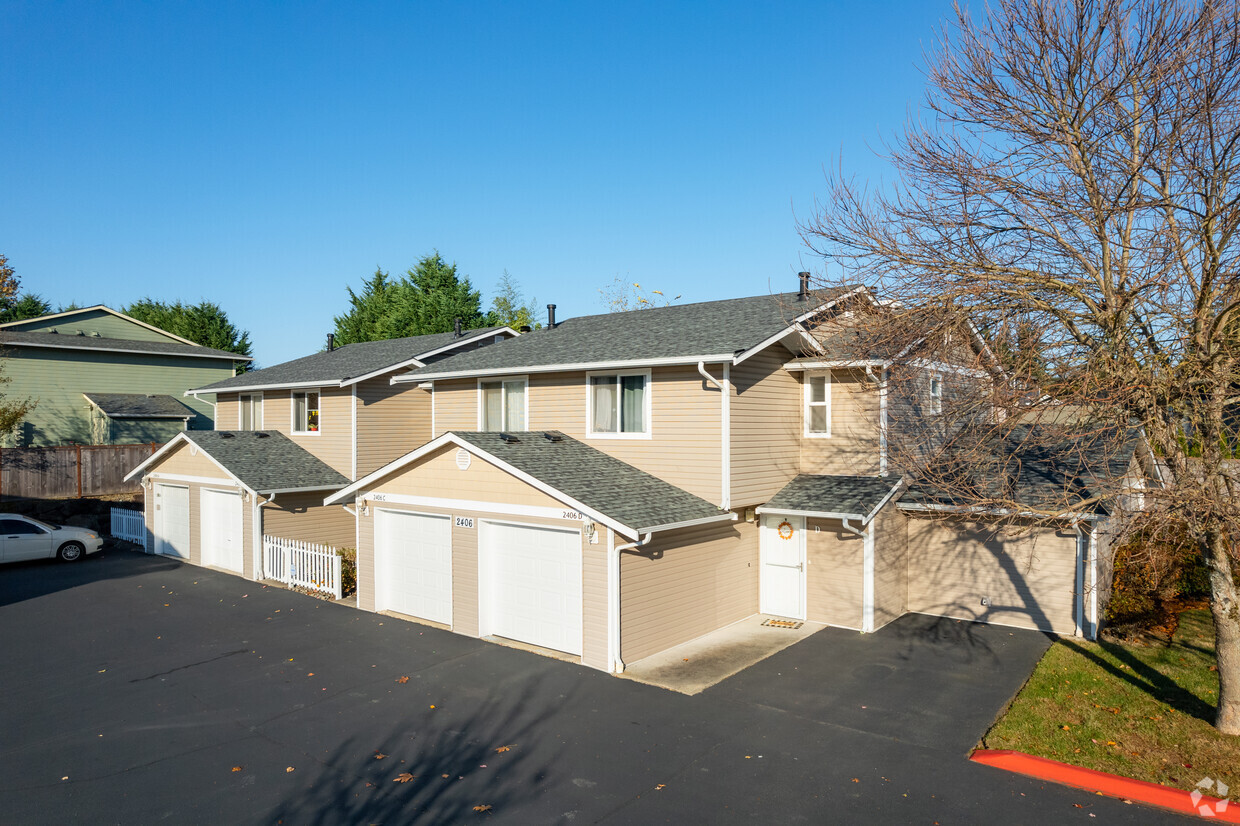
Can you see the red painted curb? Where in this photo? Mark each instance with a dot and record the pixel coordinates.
(1109, 784)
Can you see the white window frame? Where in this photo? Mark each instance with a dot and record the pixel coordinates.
(648, 433)
(503, 401)
(256, 399)
(292, 411)
(936, 398)
(826, 403)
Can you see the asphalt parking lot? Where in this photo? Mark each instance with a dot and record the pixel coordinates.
(139, 689)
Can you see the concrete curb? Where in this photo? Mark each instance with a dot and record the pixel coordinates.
(1111, 785)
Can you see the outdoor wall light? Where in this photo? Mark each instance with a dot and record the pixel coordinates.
(590, 531)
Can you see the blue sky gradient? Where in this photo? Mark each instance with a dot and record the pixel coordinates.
(265, 155)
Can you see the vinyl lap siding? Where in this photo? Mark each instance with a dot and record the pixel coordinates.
(890, 566)
(1030, 579)
(685, 584)
(685, 448)
(438, 475)
(391, 421)
(94, 321)
(766, 426)
(182, 461)
(834, 577)
(853, 446)
(303, 516)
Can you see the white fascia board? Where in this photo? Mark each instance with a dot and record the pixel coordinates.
(795, 325)
(179, 438)
(461, 342)
(58, 346)
(688, 523)
(390, 467)
(813, 514)
(882, 502)
(412, 362)
(275, 491)
(251, 387)
(832, 365)
(671, 361)
(966, 510)
(106, 310)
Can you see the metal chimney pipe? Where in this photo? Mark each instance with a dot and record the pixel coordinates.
(803, 295)
(331, 342)
(458, 328)
(550, 315)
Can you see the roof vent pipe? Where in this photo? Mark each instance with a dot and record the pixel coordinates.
(458, 328)
(803, 295)
(550, 316)
(331, 342)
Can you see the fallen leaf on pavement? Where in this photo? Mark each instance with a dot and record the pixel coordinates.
(402, 679)
(236, 768)
(289, 769)
(403, 777)
(503, 749)
(660, 786)
(486, 807)
(379, 755)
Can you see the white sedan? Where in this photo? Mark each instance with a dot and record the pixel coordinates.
(24, 538)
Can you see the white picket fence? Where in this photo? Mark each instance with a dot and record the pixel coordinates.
(303, 564)
(129, 525)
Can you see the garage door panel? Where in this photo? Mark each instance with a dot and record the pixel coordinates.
(1029, 580)
(413, 565)
(532, 585)
(172, 520)
(221, 529)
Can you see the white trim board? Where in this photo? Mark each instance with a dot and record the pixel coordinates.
(198, 480)
(378, 499)
(671, 361)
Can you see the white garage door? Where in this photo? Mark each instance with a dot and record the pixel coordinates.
(531, 585)
(172, 520)
(413, 565)
(221, 529)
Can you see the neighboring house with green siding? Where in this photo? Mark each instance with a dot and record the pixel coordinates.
(101, 377)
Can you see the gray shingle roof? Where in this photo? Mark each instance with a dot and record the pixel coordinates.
(346, 362)
(139, 406)
(706, 329)
(267, 460)
(1037, 466)
(601, 482)
(851, 496)
(21, 338)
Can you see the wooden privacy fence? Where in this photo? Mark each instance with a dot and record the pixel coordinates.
(70, 472)
(305, 564)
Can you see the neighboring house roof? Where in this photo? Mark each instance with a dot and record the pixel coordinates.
(729, 330)
(139, 406)
(833, 497)
(262, 461)
(352, 363)
(67, 315)
(61, 341)
(1035, 466)
(608, 490)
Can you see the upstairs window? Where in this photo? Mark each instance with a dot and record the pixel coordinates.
(818, 405)
(306, 412)
(250, 412)
(502, 405)
(619, 404)
(936, 394)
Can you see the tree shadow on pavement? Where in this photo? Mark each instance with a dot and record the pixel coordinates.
(21, 581)
(437, 766)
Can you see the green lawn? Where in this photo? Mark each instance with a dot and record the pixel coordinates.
(1137, 711)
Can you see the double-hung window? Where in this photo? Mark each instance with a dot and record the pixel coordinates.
(818, 405)
(502, 404)
(306, 412)
(936, 394)
(250, 411)
(619, 404)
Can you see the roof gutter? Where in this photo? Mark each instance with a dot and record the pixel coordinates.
(671, 361)
(965, 509)
(688, 523)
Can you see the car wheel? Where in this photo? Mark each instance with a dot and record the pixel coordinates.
(71, 551)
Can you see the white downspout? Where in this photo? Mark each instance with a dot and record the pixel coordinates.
(353, 473)
(1093, 584)
(867, 573)
(214, 413)
(613, 597)
(1078, 612)
(882, 417)
(725, 426)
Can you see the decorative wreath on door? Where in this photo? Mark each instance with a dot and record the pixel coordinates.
(785, 529)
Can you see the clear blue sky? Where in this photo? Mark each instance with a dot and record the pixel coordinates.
(264, 155)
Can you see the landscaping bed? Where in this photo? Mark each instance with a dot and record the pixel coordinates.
(1137, 710)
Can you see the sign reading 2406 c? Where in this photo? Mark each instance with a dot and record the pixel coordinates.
(464, 521)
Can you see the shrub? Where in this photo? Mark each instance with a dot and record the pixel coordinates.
(348, 571)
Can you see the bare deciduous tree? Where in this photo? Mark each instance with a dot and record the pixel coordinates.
(1073, 190)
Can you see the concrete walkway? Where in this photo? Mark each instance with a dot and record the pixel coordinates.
(694, 666)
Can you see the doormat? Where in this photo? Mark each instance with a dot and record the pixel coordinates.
(774, 623)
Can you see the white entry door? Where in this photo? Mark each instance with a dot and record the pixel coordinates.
(413, 565)
(531, 585)
(782, 578)
(172, 520)
(221, 529)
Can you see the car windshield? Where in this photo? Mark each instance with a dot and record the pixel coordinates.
(41, 523)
